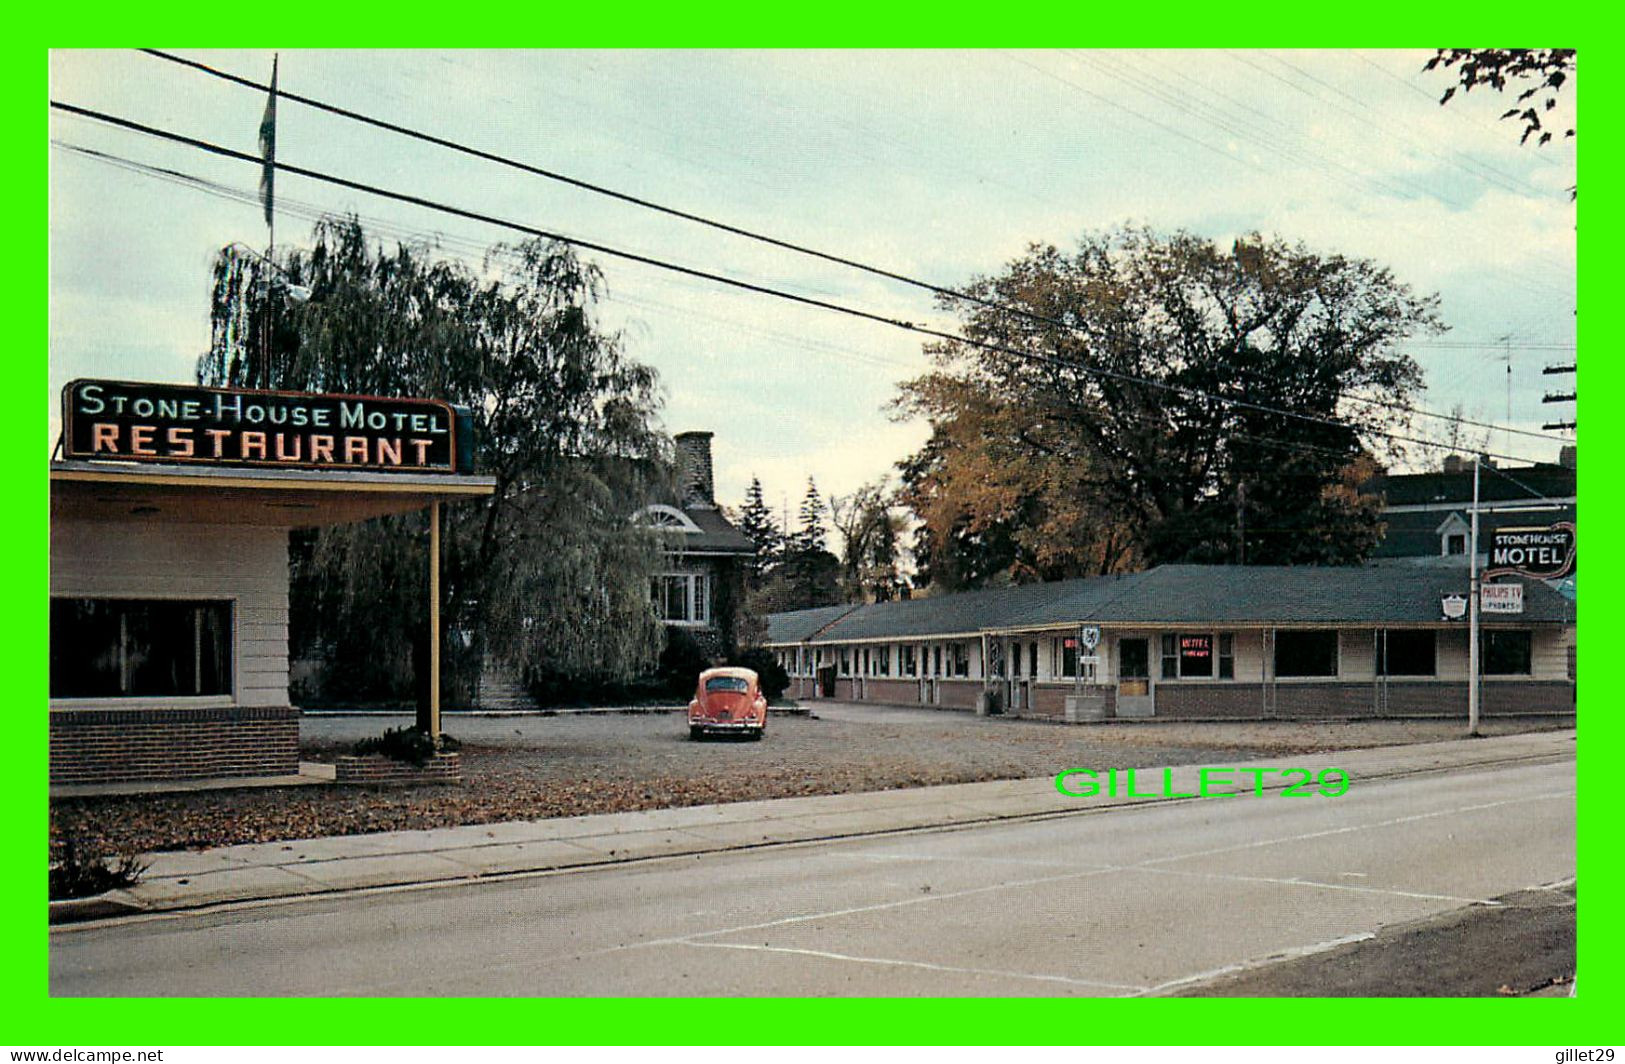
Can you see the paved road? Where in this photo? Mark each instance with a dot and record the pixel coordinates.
(1130, 901)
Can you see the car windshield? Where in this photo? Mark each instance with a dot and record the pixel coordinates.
(726, 683)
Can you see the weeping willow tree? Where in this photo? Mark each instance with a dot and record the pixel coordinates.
(547, 574)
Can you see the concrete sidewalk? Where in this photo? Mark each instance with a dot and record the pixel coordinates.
(190, 880)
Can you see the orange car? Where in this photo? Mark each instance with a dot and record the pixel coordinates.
(728, 700)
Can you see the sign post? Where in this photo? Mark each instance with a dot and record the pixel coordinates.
(1472, 612)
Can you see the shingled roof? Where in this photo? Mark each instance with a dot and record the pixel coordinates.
(1174, 595)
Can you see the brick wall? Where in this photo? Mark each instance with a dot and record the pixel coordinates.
(377, 769)
(960, 694)
(892, 692)
(116, 745)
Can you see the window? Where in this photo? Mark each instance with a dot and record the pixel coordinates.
(1455, 543)
(1189, 655)
(1405, 652)
(936, 661)
(132, 648)
(885, 661)
(846, 662)
(1015, 660)
(1032, 660)
(1505, 654)
(1064, 652)
(1195, 654)
(906, 665)
(1312, 653)
(682, 598)
(961, 659)
(727, 683)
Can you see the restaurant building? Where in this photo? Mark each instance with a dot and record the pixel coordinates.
(171, 509)
(1196, 642)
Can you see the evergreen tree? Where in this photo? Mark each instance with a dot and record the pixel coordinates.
(811, 536)
(756, 522)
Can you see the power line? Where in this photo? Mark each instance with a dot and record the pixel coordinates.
(690, 271)
(736, 230)
(475, 251)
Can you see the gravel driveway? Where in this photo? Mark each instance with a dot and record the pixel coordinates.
(533, 767)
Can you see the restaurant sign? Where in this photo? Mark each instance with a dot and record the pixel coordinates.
(129, 422)
(1544, 553)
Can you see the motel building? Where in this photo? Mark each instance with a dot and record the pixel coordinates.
(1197, 642)
(171, 509)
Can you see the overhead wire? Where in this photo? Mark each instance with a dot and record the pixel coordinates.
(939, 290)
(690, 271)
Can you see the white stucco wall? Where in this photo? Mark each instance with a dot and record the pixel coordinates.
(246, 564)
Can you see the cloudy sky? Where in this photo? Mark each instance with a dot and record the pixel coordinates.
(937, 165)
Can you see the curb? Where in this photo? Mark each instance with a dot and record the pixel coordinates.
(782, 832)
(113, 903)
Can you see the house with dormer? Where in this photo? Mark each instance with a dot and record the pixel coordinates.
(701, 582)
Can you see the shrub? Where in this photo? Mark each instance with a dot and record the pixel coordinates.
(767, 668)
(405, 744)
(81, 876)
(681, 663)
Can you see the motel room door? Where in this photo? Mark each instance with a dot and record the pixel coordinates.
(1136, 695)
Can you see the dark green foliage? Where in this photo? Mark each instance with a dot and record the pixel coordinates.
(681, 663)
(408, 743)
(768, 671)
(756, 522)
(81, 875)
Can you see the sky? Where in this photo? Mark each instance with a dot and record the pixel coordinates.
(938, 165)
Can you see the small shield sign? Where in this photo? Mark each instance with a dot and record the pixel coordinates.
(1454, 606)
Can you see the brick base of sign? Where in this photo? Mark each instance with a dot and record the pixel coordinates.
(380, 770)
(130, 745)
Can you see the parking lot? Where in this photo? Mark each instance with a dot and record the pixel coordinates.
(534, 767)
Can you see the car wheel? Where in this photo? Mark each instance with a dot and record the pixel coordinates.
(696, 733)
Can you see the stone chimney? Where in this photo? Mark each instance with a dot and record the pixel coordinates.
(695, 487)
(1566, 457)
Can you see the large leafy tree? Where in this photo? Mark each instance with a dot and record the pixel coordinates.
(1126, 410)
(547, 573)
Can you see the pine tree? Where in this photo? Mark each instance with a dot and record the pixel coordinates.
(756, 522)
(811, 536)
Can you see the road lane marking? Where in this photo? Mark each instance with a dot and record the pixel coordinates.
(1248, 965)
(1310, 883)
(917, 964)
(1360, 827)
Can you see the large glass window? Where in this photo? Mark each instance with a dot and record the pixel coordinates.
(1311, 653)
(1407, 652)
(134, 648)
(961, 659)
(682, 598)
(1505, 654)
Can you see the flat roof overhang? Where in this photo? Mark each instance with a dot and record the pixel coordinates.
(220, 495)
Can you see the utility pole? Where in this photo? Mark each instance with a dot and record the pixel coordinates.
(1472, 612)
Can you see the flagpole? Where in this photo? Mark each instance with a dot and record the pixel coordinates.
(268, 195)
